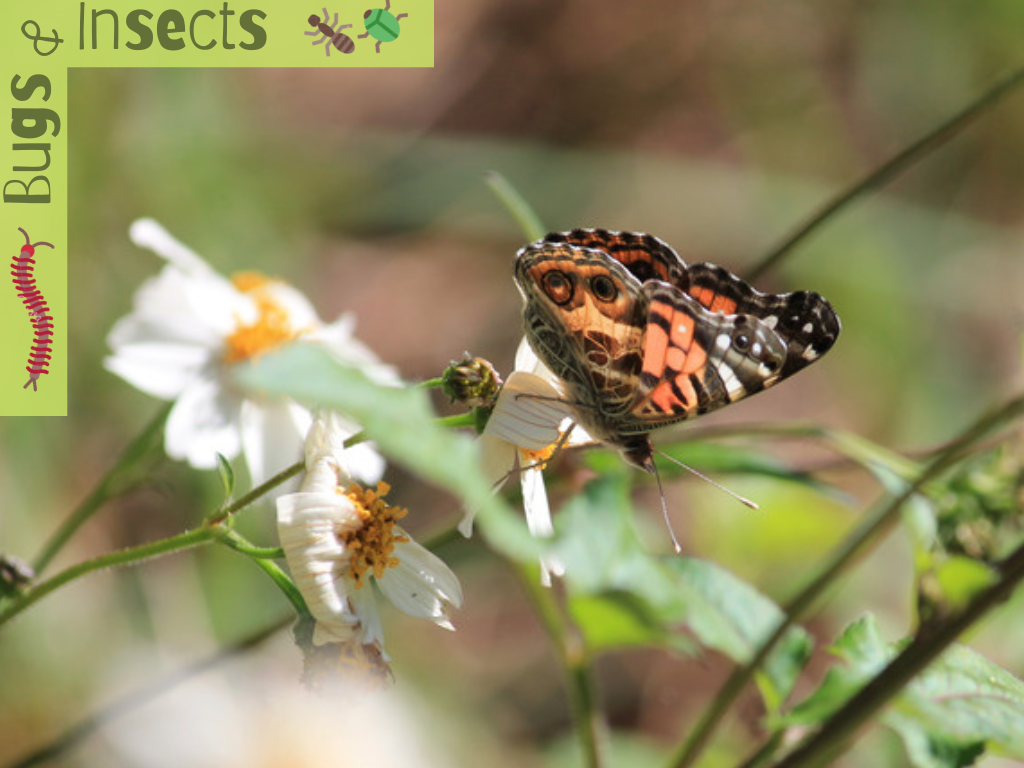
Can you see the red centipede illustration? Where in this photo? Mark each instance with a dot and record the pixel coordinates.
(38, 312)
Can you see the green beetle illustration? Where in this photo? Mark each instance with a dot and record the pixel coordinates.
(382, 24)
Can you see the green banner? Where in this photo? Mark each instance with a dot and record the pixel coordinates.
(40, 41)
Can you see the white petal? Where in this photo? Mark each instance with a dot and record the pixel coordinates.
(364, 604)
(528, 412)
(421, 584)
(526, 358)
(308, 525)
(271, 438)
(347, 349)
(203, 422)
(160, 369)
(538, 520)
(147, 233)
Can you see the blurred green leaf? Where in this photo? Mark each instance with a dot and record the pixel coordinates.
(647, 599)
(961, 578)
(403, 425)
(720, 458)
(227, 476)
(946, 716)
(619, 594)
(735, 619)
(619, 619)
(524, 214)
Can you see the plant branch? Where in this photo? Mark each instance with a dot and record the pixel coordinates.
(582, 699)
(856, 546)
(131, 556)
(261, 556)
(890, 168)
(224, 513)
(833, 737)
(106, 489)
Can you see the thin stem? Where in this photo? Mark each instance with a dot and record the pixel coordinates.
(78, 732)
(892, 167)
(856, 546)
(260, 490)
(259, 556)
(834, 736)
(104, 490)
(527, 219)
(582, 699)
(131, 556)
(431, 383)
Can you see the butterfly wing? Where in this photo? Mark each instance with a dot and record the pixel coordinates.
(696, 360)
(645, 256)
(803, 319)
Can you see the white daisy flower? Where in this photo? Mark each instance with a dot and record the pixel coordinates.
(530, 420)
(189, 326)
(338, 537)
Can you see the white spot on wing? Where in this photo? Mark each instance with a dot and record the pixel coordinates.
(771, 321)
(723, 342)
(808, 327)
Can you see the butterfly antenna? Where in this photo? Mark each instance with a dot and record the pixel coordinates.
(664, 509)
(741, 499)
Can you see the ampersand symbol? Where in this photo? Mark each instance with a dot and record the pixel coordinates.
(38, 38)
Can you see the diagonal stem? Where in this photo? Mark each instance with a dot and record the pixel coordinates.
(106, 489)
(855, 547)
(825, 745)
(890, 168)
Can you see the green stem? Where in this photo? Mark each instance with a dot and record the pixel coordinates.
(132, 556)
(832, 739)
(259, 556)
(856, 546)
(527, 219)
(77, 733)
(431, 383)
(260, 490)
(889, 169)
(582, 699)
(106, 488)
(457, 420)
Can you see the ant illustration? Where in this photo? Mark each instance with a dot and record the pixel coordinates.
(337, 38)
(382, 25)
(38, 312)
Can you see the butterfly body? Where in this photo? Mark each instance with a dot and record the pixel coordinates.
(642, 340)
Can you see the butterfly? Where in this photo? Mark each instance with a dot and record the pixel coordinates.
(642, 340)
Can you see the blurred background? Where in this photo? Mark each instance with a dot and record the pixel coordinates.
(717, 126)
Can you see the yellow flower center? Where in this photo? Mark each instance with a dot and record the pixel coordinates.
(271, 328)
(370, 544)
(537, 459)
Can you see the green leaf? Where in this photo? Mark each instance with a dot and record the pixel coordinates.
(619, 619)
(524, 214)
(961, 578)
(403, 425)
(946, 716)
(646, 599)
(735, 619)
(227, 476)
(618, 593)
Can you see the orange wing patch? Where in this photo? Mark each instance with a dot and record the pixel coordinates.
(715, 302)
(671, 356)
